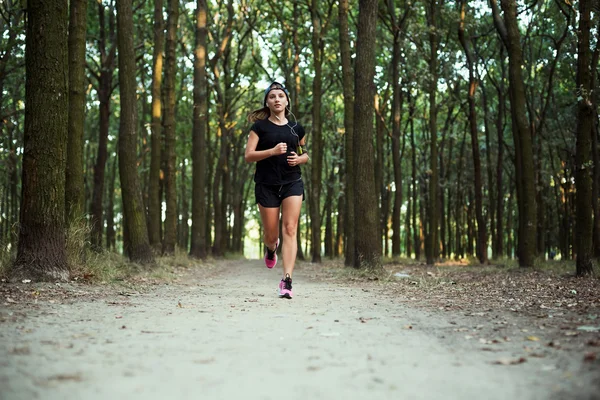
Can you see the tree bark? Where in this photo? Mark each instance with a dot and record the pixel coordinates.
(524, 165)
(170, 237)
(154, 203)
(583, 167)
(41, 252)
(397, 25)
(596, 149)
(431, 238)
(348, 91)
(111, 237)
(499, 249)
(316, 140)
(414, 197)
(478, 188)
(105, 89)
(367, 240)
(75, 191)
(135, 231)
(200, 117)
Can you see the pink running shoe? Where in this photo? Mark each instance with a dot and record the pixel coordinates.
(271, 256)
(285, 287)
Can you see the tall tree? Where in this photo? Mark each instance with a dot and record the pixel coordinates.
(220, 64)
(104, 77)
(316, 139)
(585, 124)
(595, 148)
(431, 238)
(472, 87)
(508, 29)
(348, 91)
(75, 190)
(154, 203)
(397, 22)
(41, 253)
(135, 230)
(169, 128)
(200, 117)
(367, 239)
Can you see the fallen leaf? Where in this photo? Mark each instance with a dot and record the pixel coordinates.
(533, 338)
(510, 361)
(537, 355)
(66, 377)
(589, 357)
(594, 342)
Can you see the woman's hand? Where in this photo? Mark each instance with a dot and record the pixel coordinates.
(281, 148)
(294, 159)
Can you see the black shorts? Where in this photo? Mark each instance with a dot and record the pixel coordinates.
(273, 195)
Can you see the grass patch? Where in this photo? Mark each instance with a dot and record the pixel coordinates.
(7, 256)
(103, 267)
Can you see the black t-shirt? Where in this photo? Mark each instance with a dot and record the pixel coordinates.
(275, 170)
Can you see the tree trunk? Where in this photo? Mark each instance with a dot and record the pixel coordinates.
(524, 166)
(491, 201)
(368, 245)
(154, 203)
(105, 89)
(75, 191)
(41, 253)
(459, 205)
(348, 90)
(111, 239)
(198, 246)
(316, 147)
(595, 151)
(397, 100)
(340, 228)
(583, 169)
(414, 197)
(328, 213)
(431, 238)
(184, 210)
(170, 237)
(138, 247)
(500, 198)
(478, 188)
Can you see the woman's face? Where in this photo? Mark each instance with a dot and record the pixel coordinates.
(277, 100)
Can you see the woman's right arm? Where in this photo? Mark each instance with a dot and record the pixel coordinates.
(253, 155)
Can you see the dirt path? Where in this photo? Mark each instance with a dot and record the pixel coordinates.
(227, 335)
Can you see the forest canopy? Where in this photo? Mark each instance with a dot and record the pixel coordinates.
(476, 138)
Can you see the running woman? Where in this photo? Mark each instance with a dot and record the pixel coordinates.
(275, 145)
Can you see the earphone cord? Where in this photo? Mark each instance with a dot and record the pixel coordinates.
(295, 125)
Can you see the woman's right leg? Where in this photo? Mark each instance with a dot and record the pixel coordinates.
(270, 221)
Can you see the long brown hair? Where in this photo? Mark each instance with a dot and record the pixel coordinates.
(261, 113)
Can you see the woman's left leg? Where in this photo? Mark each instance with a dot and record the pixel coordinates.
(290, 213)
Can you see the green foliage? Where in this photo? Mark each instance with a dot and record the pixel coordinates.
(261, 48)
